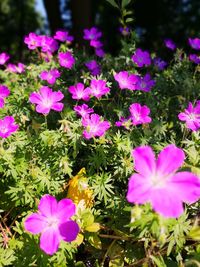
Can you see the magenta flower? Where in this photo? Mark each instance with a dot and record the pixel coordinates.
(139, 114)
(33, 40)
(79, 92)
(99, 52)
(126, 80)
(4, 57)
(98, 88)
(19, 68)
(158, 183)
(50, 76)
(93, 66)
(66, 59)
(194, 43)
(194, 58)
(94, 126)
(191, 116)
(7, 126)
(170, 44)
(63, 36)
(159, 63)
(96, 43)
(4, 92)
(46, 100)
(53, 221)
(48, 44)
(141, 58)
(145, 83)
(92, 34)
(83, 110)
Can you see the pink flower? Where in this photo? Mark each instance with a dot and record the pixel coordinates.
(96, 43)
(158, 183)
(4, 92)
(83, 110)
(48, 44)
(3, 58)
(7, 126)
(99, 52)
(66, 59)
(98, 88)
(93, 66)
(194, 43)
(92, 34)
(126, 80)
(94, 126)
(46, 100)
(63, 36)
(53, 221)
(125, 122)
(170, 44)
(191, 116)
(79, 92)
(32, 40)
(19, 68)
(145, 83)
(50, 76)
(141, 58)
(139, 114)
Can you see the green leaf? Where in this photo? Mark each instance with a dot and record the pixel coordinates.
(129, 20)
(159, 262)
(125, 3)
(113, 3)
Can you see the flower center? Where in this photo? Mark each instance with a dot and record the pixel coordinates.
(52, 222)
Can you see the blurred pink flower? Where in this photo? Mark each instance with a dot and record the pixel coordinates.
(66, 59)
(126, 80)
(191, 116)
(158, 183)
(4, 92)
(7, 126)
(50, 76)
(4, 57)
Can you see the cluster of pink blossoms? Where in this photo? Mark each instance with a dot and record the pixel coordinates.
(191, 116)
(7, 124)
(134, 81)
(97, 88)
(93, 35)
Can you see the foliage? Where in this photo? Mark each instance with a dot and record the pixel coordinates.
(48, 153)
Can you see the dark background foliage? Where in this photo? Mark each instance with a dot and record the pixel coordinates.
(153, 21)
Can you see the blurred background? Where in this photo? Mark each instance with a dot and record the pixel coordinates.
(153, 21)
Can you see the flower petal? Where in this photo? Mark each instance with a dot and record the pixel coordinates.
(186, 185)
(144, 160)
(50, 240)
(139, 190)
(48, 205)
(170, 159)
(35, 223)
(166, 202)
(69, 231)
(66, 209)
(57, 106)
